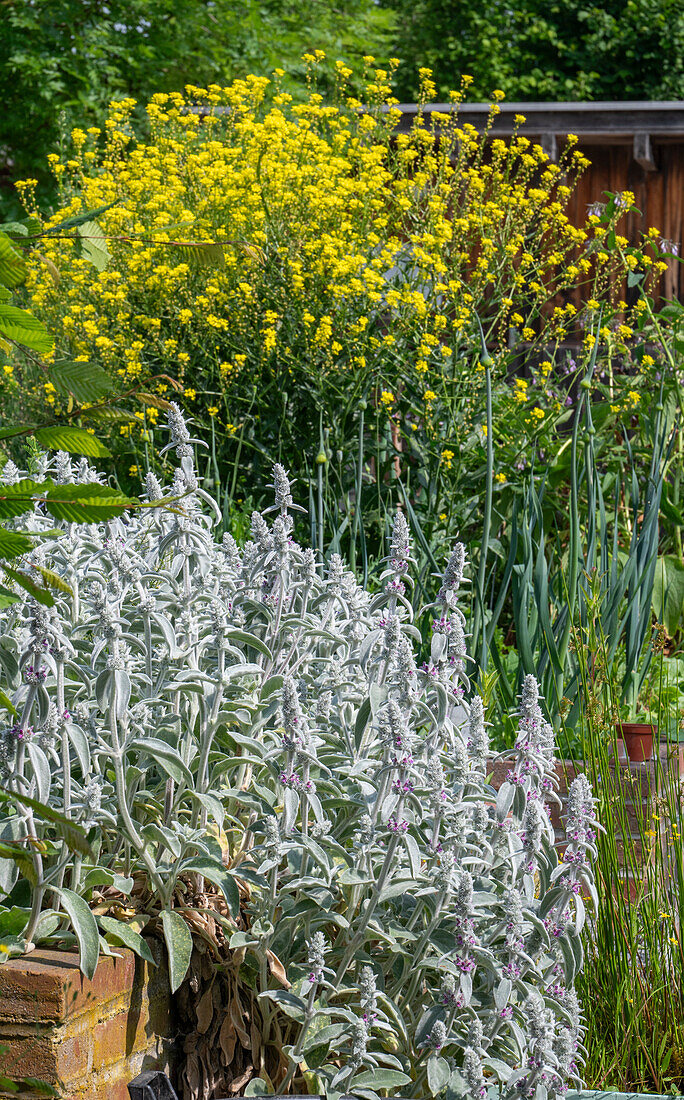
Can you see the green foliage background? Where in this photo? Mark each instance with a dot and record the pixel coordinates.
(62, 61)
(536, 50)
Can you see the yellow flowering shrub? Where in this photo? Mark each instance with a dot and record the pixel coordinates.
(279, 262)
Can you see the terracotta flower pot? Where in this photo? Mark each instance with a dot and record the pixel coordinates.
(638, 739)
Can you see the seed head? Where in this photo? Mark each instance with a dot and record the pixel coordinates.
(400, 546)
(438, 1035)
(316, 956)
(180, 436)
(453, 576)
(281, 484)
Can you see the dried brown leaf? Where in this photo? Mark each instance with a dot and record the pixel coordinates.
(278, 970)
(205, 1010)
(235, 1013)
(227, 1040)
(239, 1082)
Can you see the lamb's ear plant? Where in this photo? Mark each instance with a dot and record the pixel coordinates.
(111, 708)
(428, 933)
(250, 720)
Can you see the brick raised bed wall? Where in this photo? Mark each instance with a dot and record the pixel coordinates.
(87, 1039)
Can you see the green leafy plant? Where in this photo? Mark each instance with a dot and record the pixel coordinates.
(552, 574)
(535, 51)
(24, 339)
(22, 335)
(668, 593)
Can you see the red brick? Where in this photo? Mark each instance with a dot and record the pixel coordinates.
(117, 1090)
(111, 1040)
(28, 1056)
(112, 1083)
(126, 1033)
(48, 985)
(48, 1055)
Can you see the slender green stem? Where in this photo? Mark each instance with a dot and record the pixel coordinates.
(478, 610)
(319, 508)
(358, 938)
(359, 488)
(298, 1051)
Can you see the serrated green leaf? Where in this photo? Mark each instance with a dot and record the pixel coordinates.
(178, 944)
(107, 414)
(79, 219)
(29, 585)
(13, 544)
(153, 400)
(16, 430)
(27, 227)
(90, 503)
(202, 253)
(94, 245)
(17, 499)
(85, 381)
(85, 927)
(53, 580)
(74, 440)
(14, 229)
(25, 329)
(13, 270)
